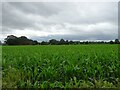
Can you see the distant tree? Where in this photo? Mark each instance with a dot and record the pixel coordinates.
(71, 42)
(53, 42)
(81, 42)
(116, 41)
(13, 40)
(0, 43)
(111, 42)
(102, 42)
(44, 43)
(23, 37)
(86, 42)
(10, 40)
(35, 42)
(24, 41)
(62, 41)
(66, 42)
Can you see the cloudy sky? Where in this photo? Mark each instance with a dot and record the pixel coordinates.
(67, 20)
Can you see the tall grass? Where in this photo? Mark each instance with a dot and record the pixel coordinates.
(66, 66)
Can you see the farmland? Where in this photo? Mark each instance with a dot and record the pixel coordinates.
(65, 66)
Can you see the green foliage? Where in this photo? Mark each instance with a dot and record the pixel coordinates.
(66, 66)
(13, 40)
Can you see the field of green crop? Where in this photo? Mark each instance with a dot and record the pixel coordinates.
(65, 66)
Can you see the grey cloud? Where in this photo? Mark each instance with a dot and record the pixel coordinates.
(88, 13)
(13, 18)
(55, 17)
(41, 8)
(6, 30)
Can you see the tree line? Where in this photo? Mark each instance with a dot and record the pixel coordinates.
(23, 40)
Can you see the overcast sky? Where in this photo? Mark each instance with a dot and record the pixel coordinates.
(71, 21)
